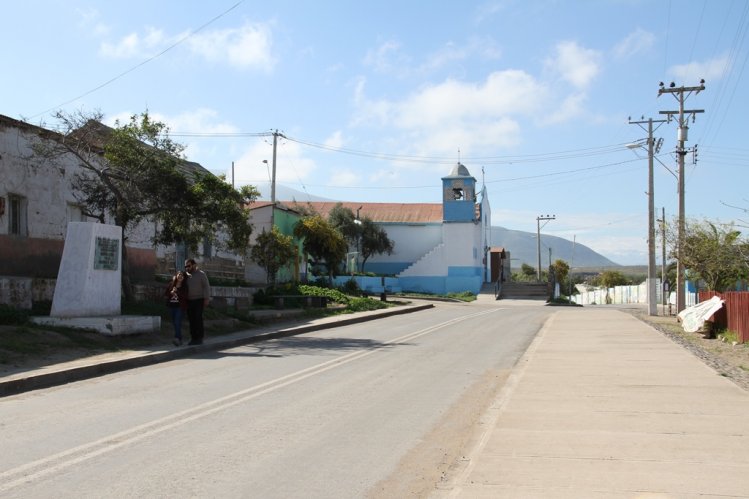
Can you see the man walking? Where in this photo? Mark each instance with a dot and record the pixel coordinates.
(198, 295)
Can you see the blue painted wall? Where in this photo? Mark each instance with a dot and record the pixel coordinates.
(459, 279)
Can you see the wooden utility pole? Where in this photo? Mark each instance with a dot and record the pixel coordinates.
(681, 94)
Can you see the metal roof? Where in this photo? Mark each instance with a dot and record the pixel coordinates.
(381, 212)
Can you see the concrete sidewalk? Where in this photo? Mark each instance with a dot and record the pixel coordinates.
(603, 405)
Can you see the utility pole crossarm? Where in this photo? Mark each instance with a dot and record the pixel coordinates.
(681, 90)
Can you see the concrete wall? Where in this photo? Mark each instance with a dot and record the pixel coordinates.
(412, 241)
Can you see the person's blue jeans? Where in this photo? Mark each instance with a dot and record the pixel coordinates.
(177, 321)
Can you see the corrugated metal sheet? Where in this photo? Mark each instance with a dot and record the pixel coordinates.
(735, 312)
(382, 212)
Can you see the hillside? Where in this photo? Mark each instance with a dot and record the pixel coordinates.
(523, 248)
(522, 245)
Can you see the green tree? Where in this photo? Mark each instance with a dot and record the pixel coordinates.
(714, 253)
(343, 219)
(272, 251)
(561, 269)
(611, 278)
(374, 241)
(322, 242)
(363, 234)
(135, 171)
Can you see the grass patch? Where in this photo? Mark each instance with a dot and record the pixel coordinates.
(466, 296)
(727, 335)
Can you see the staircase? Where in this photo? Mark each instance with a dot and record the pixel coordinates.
(524, 291)
(424, 262)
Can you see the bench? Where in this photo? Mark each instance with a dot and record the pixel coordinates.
(306, 300)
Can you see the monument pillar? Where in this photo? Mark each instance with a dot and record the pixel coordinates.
(88, 291)
(90, 275)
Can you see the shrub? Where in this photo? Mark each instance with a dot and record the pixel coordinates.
(10, 315)
(364, 304)
(351, 287)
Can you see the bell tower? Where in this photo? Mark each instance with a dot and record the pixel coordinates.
(459, 195)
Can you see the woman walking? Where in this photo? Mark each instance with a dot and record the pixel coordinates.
(176, 300)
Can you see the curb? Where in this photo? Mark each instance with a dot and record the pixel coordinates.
(57, 378)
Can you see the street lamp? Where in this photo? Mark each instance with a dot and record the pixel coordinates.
(652, 302)
(538, 240)
(358, 222)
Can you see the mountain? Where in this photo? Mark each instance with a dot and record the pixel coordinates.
(521, 245)
(523, 248)
(286, 193)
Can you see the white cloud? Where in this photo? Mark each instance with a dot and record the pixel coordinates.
(335, 140)
(690, 74)
(135, 45)
(455, 114)
(488, 10)
(571, 107)
(575, 64)
(369, 111)
(483, 47)
(248, 46)
(504, 93)
(635, 43)
(291, 165)
(387, 57)
(90, 21)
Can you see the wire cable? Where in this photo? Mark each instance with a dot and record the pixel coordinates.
(143, 63)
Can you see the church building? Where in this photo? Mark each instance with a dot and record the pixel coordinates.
(439, 248)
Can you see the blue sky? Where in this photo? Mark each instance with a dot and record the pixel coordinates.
(378, 100)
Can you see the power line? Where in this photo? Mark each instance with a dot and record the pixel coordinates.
(143, 63)
(492, 160)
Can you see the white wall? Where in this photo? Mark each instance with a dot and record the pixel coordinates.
(411, 242)
(46, 185)
(463, 242)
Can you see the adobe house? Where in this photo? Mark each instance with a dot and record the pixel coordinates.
(37, 203)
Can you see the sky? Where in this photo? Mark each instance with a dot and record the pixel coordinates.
(377, 101)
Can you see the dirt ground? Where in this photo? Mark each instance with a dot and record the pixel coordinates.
(731, 361)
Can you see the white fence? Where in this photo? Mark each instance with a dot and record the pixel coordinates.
(622, 295)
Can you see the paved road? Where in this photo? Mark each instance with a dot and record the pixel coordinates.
(359, 410)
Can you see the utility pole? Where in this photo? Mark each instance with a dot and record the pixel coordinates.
(663, 257)
(681, 94)
(572, 262)
(273, 191)
(651, 284)
(273, 177)
(538, 240)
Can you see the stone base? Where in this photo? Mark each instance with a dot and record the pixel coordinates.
(109, 326)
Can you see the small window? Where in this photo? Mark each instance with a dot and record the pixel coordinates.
(16, 215)
(75, 214)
